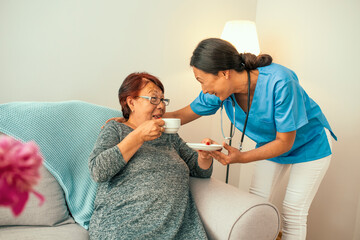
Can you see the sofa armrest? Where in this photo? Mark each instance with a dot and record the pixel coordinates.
(229, 213)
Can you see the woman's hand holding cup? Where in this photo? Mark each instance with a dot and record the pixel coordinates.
(151, 129)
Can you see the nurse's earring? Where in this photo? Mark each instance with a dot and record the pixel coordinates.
(226, 74)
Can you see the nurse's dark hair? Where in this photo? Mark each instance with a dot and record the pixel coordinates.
(132, 85)
(213, 55)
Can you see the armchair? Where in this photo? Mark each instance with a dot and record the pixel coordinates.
(66, 133)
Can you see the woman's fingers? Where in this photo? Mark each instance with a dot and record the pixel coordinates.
(208, 141)
(157, 128)
(160, 125)
(204, 154)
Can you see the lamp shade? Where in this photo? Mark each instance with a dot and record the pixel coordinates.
(242, 34)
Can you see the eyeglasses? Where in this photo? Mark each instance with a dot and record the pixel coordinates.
(156, 100)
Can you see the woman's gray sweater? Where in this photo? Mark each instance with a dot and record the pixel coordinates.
(148, 197)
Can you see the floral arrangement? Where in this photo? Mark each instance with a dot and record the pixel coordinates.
(19, 173)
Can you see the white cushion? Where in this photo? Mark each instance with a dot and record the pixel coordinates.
(68, 232)
(53, 211)
(229, 213)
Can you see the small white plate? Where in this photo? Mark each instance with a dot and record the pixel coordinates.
(204, 147)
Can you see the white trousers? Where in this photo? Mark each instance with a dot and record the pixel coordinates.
(304, 181)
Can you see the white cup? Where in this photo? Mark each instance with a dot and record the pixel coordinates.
(172, 125)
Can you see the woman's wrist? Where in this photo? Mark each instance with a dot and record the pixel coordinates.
(129, 145)
(137, 136)
(204, 162)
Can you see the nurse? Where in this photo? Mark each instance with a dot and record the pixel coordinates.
(289, 128)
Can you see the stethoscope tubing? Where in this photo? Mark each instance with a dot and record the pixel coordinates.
(246, 118)
(247, 112)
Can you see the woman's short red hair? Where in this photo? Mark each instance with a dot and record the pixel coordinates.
(132, 86)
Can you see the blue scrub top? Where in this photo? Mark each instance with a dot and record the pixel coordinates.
(279, 104)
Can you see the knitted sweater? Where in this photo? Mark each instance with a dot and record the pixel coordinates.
(148, 197)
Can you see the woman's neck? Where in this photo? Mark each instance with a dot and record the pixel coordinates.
(131, 123)
(241, 81)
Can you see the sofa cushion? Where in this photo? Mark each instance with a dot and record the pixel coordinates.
(65, 133)
(52, 213)
(68, 231)
(240, 215)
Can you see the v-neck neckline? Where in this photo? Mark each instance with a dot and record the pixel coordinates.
(254, 100)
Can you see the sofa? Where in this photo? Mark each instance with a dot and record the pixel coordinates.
(226, 212)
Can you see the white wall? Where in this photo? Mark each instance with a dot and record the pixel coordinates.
(62, 50)
(81, 49)
(319, 40)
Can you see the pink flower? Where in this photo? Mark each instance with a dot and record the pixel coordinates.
(19, 172)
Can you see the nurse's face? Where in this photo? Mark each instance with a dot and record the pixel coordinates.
(216, 85)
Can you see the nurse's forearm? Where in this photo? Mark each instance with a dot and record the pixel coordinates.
(282, 144)
(270, 150)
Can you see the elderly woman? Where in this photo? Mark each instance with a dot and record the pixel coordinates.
(143, 173)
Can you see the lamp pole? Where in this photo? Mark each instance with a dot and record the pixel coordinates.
(243, 35)
(228, 166)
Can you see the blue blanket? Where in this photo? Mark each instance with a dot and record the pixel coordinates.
(66, 133)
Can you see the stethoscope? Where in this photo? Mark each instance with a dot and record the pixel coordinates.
(232, 128)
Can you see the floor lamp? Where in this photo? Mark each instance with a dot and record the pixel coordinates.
(242, 34)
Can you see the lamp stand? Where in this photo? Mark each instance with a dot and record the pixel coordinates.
(227, 166)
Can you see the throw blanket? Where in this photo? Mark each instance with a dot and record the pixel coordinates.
(66, 133)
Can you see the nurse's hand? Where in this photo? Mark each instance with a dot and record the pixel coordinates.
(233, 156)
(116, 119)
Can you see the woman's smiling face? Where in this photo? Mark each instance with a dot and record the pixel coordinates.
(213, 84)
(143, 109)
